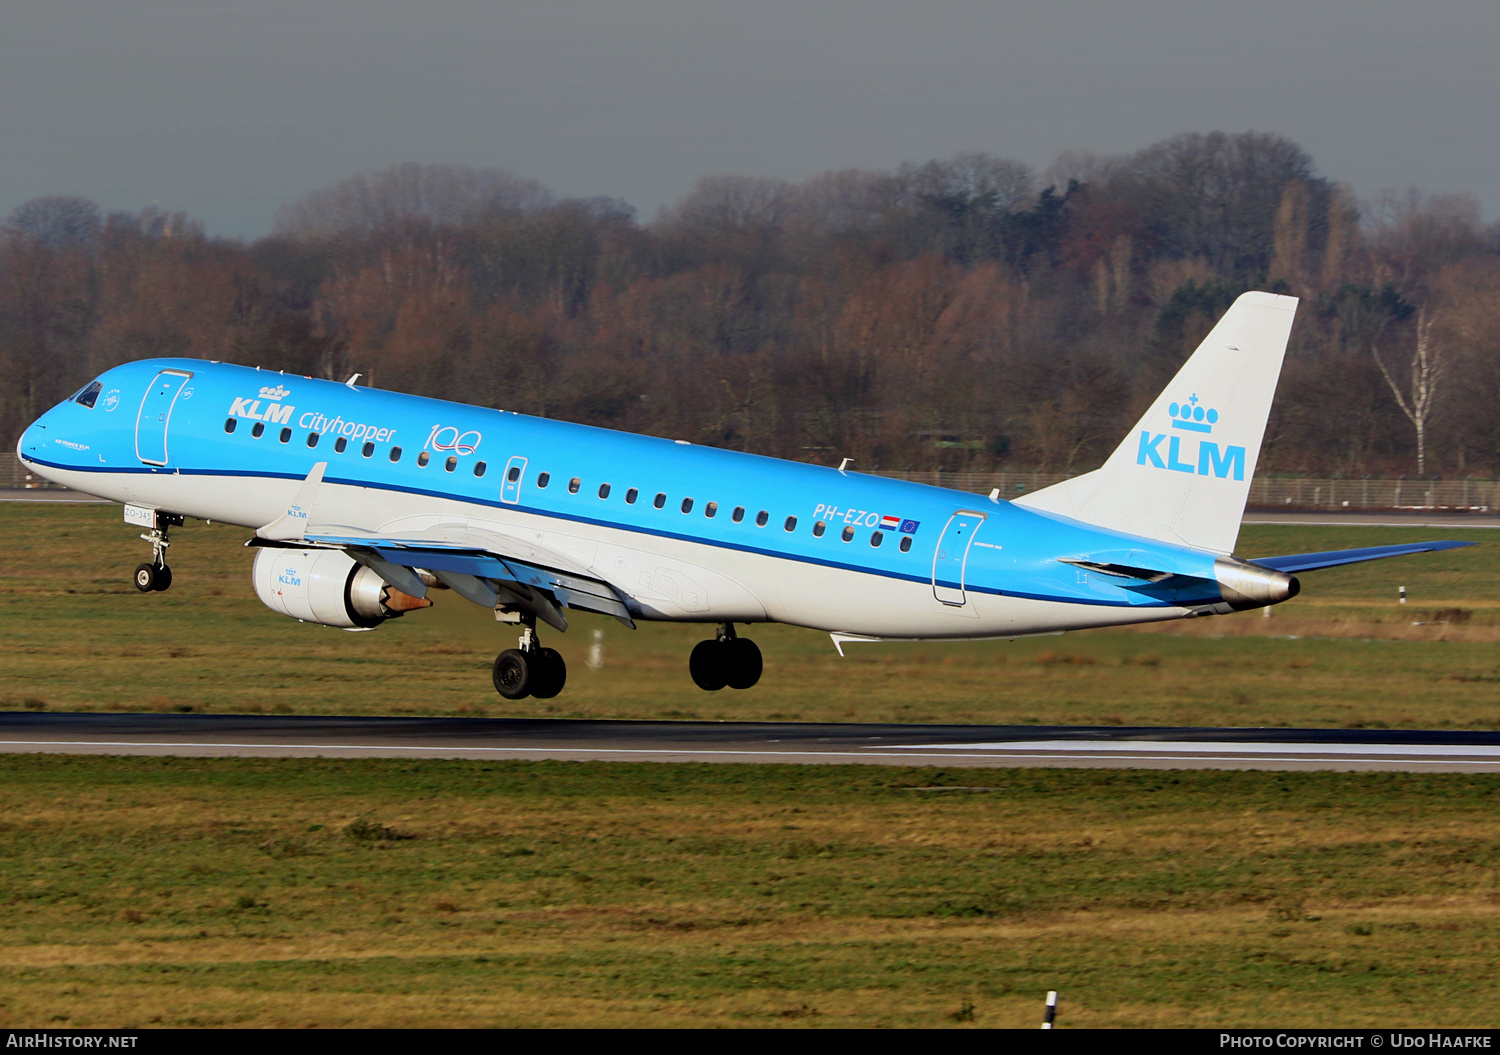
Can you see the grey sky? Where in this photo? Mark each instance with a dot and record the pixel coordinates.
(229, 109)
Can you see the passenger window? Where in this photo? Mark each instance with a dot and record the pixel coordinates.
(339, 445)
(906, 544)
(259, 430)
(876, 538)
(230, 424)
(286, 435)
(90, 395)
(604, 490)
(368, 449)
(312, 439)
(738, 514)
(631, 495)
(762, 518)
(515, 474)
(395, 454)
(479, 468)
(423, 458)
(543, 480)
(848, 534)
(820, 527)
(573, 485)
(711, 510)
(659, 501)
(450, 464)
(791, 524)
(687, 505)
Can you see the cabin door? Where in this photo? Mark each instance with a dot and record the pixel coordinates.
(952, 556)
(156, 412)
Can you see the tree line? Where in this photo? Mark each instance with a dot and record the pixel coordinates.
(966, 313)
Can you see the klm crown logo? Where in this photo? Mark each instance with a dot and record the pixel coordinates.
(1191, 416)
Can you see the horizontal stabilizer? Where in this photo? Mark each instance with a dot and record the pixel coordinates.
(1333, 558)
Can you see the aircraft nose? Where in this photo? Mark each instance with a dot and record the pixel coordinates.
(30, 443)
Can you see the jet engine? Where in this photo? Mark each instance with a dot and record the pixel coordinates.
(327, 586)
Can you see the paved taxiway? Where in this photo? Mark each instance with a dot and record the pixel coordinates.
(751, 742)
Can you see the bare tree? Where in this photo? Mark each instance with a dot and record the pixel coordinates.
(1426, 373)
(57, 222)
(434, 194)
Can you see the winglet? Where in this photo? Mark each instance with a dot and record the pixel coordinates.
(291, 526)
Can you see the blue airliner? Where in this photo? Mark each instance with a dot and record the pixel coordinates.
(363, 503)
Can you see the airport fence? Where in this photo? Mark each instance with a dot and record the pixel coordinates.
(1266, 492)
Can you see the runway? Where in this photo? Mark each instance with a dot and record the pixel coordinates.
(1088, 747)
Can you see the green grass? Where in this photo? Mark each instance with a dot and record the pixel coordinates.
(297, 892)
(79, 637)
(155, 891)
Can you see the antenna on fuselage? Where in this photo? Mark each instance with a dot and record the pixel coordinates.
(352, 378)
(845, 464)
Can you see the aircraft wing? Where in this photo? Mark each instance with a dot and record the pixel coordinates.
(1332, 558)
(484, 576)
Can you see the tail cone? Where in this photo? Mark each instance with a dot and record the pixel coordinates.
(1244, 585)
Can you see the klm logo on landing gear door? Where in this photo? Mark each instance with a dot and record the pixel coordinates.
(1207, 460)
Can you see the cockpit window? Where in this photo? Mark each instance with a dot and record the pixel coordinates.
(89, 395)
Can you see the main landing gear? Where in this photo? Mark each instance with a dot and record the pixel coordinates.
(725, 660)
(530, 670)
(156, 576)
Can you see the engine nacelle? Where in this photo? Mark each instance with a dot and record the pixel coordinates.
(327, 586)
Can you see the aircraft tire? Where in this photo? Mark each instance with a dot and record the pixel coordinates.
(145, 577)
(551, 674)
(744, 663)
(514, 674)
(163, 578)
(707, 665)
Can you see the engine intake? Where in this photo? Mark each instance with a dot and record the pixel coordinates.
(328, 587)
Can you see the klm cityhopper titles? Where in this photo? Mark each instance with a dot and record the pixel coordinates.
(363, 503)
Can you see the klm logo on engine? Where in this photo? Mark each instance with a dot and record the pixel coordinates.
(1210, 460)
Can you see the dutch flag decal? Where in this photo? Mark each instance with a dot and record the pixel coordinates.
(890, 523)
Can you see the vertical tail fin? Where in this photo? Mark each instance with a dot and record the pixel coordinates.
(1183, 474)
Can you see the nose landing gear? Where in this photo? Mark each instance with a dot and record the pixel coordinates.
(530, 670)
(725, 660)
(156, 576)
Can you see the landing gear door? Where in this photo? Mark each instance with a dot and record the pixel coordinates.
(952, 555)
(515, 473)
(156, 412)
